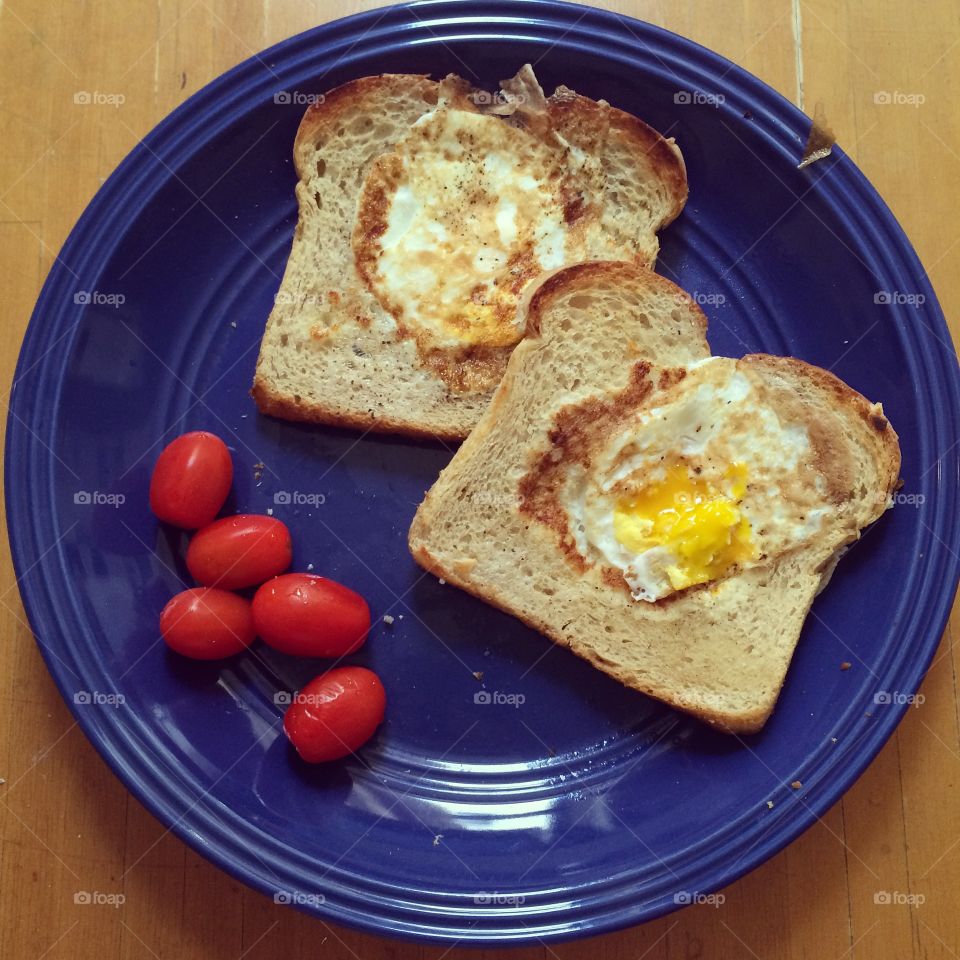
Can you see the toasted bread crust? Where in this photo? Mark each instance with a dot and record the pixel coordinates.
(572, 114)
(322, 117)
(665, 156)
(579, 118)
(586, 276)
(274, 404)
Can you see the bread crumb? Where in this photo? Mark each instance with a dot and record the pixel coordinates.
(769, 804)
(309, 566)
(796, 784)
(233, 323)
(388, 620)
(846, 665)
(269, 511)
(437, 839)
(478, 675)
(258, 469)
(442, 581)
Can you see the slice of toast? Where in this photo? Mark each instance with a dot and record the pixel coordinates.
(332, 352)
(495, 524)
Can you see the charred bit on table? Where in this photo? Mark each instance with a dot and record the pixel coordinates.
(821, 140)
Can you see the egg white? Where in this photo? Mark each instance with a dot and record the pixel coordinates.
(476, 212)
(715, 419)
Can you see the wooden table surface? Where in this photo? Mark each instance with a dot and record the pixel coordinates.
(68, 824)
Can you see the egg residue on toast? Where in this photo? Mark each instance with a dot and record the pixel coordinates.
(473, 209)
(454, 223)
(700, 480)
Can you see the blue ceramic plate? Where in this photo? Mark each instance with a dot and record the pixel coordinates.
(566, 805)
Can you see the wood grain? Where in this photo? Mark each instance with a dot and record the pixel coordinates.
(68, 825)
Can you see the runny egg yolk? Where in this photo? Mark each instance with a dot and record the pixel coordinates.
(698, 522)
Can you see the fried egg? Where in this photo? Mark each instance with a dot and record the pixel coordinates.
(455, 223)
(708, 482)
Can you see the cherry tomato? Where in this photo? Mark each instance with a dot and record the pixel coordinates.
(310, 616)
(335, 713)
(191, 480)
(207, 624)
(239, 551)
